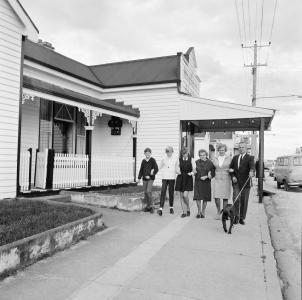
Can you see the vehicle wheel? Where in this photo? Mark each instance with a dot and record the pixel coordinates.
(278, 185)
(286, 186)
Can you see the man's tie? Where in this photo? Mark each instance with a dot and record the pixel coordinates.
(239, 161)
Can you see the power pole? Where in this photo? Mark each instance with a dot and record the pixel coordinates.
(254, 95)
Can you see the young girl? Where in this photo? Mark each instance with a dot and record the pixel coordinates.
(184, 181)
(147, 172)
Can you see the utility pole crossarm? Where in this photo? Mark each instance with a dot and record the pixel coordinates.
(258, 46)
(253, 66)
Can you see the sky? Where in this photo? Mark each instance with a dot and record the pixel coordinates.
(103, 31)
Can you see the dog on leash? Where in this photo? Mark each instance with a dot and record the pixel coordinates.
(228, 213)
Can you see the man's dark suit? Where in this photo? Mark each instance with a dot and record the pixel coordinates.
(241, 173)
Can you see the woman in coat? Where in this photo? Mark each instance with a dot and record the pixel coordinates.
(222, 182)
(204, 172)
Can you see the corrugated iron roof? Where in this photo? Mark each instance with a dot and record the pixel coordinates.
(148, 71)
(51, 89)
(54, 60)
(138, 72)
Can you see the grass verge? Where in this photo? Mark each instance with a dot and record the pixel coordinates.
(23, 218)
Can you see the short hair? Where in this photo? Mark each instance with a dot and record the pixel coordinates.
(203, 151)
(169, 149)
(243, 143)
(184, 150)
(147, 150)
(222, 146)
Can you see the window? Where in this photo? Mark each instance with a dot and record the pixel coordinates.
(45, 141)
(285, 163)
(297, 161)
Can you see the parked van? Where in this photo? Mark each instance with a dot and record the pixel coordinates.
(288, 171)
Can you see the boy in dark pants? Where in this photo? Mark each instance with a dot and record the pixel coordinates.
(147, 172)
(168, 167)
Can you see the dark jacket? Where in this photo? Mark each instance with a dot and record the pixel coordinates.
(146, 167)
(242, 173)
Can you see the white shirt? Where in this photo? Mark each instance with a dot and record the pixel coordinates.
(221, 160)
(168, 167)
(240, 158)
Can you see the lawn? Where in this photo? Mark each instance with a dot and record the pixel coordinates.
(130, 190)
(23, 218)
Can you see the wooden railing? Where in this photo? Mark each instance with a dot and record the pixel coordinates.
(25, 170)
(111, 170)
(41, 169)
(70, 170)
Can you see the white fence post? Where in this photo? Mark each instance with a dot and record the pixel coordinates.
(24, 180)
(41, 169)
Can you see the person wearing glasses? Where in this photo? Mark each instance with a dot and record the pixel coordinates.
(168, 168)
(204, 171)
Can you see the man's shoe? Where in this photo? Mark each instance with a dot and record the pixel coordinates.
(183, 215)
(202, 216)
(241, 221)
(171, 211)
(236, 220)
(188, 213)
(198, 216)
(151, 210)
(160, 212)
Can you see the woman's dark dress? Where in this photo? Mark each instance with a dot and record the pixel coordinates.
(202, 188)
(184, 182)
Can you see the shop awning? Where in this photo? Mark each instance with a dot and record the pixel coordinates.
(213, 115)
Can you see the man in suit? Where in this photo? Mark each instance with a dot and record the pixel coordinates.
(242, 167)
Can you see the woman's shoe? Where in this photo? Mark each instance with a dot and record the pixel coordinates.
(198, 216)
(183, 215)
(188, 213)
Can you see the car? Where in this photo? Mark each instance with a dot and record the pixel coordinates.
(288, 171)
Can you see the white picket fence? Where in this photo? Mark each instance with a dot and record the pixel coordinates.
(111, 170)
(41, 169)
(70, 170)
(24, 170)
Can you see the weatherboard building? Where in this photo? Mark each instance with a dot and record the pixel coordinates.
(64, 124)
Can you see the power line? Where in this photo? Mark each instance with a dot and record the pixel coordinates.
(256, 13)
(249, 13)
(261, 24)
(238, 22)
(239, 30)
(243, 20)
(273, 22)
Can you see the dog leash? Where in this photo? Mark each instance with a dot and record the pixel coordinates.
(240, 191)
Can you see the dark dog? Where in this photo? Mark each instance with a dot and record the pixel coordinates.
(228, 213)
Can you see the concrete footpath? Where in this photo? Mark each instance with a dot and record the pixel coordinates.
(144, 256)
